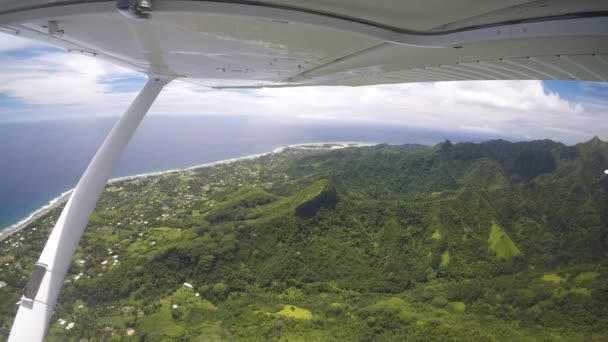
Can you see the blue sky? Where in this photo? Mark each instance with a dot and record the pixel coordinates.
(38, 82)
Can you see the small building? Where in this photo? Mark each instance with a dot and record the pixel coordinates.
(188, 285)
(70, 326)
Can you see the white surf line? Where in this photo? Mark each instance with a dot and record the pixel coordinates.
(52, 204)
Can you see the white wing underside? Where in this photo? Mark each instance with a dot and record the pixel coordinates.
(331, 42)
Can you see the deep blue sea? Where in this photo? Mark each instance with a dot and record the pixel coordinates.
(41, 159)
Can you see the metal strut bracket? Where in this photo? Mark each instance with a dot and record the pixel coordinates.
(41, 293)
(136, 9)
(31, 289)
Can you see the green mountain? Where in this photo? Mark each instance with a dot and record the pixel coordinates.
(462, 242)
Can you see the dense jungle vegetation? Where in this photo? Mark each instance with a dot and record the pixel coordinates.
(457, 242)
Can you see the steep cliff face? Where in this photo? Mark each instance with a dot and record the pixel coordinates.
(319, 195)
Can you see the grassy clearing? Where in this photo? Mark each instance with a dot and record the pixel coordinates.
(117, 321)
(585, 277)
(581, 291)
(153, 237)
(161, 322)
(295, 312)
(459, 307)
(6, 258)
(445, 259)
(501, 244)
(552, 278)
(167, 322)
(185, 297)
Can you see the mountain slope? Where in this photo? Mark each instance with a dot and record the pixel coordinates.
(491, 241)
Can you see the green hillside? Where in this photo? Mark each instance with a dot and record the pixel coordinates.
(457, 242)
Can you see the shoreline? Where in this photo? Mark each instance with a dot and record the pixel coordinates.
(6, 232)
(52, 204)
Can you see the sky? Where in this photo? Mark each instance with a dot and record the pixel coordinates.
(38, 82)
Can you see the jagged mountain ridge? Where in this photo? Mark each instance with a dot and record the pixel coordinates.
(391, 202)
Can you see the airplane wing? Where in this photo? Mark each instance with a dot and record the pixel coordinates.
(327, 42)
(288, 43)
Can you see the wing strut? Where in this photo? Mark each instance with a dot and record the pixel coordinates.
(41, 293)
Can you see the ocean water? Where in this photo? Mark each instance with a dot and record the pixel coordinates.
(41, 159)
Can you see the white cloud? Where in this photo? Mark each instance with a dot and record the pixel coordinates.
(507, 108)
(10, 42)
(80, 85)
